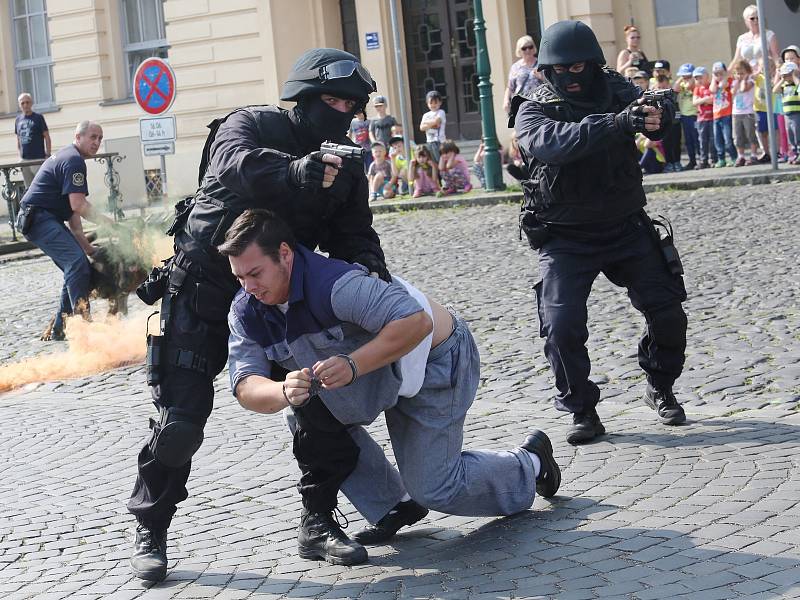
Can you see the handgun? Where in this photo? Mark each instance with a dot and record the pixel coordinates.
(343, 151)
(656, 97)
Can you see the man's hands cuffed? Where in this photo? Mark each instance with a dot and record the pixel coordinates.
(297, 387)
(638, 117)
(314, 171)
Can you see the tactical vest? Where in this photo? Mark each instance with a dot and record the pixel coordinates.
(601, 188)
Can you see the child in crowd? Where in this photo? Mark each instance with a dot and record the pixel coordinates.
(477, 161)
(684, 88)
(660, 67)
(642, 80)
(760, 108)
(433, 123)
(380, 174)
(789, 88)
(397, 156)
(515, 166)
(423, 172)
(672, 137)
(721, 86)
(703, 99)
(744, 117)
(380, 128)
(453, 170)
(652, 151)
(359, 133)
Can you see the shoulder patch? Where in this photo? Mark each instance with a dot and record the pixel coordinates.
(78, 179)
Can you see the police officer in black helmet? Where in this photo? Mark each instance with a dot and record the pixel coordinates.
(255, 157)
(583, 212)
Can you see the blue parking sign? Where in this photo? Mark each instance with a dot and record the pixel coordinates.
(372, 40)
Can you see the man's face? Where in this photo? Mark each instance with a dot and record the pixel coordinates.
(262, 276)
(344, 105)
(575, 69)
(89, 143)
(26, 105)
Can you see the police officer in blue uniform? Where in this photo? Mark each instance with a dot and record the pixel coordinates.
(58, 195)
(255, 157)
(583, 212)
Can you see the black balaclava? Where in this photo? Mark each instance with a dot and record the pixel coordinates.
(595, 94)
(323, 121)
(585, 78)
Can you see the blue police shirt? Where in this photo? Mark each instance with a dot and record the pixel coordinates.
(62, 174)
(30, 131)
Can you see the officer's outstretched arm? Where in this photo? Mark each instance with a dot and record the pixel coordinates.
(81, 206)
(559, 142)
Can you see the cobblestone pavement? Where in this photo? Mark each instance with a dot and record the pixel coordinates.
(707, 510)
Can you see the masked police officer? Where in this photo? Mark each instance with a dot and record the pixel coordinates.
(255, 157)
(583, 212)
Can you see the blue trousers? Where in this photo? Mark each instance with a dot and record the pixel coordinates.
(630, 259)
(650, 163)
(723, 137)
(689, 122)
(56, 241)
(427, 434)
(705, 134)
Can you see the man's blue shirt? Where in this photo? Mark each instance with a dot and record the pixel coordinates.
(30, 131)
(62, 174)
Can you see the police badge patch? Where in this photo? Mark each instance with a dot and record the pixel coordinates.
(78, 179)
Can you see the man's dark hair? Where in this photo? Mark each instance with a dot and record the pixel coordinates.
(263, 227)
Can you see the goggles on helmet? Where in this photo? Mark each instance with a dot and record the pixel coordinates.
(337, 70)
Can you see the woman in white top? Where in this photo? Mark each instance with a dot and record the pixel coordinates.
(748, 46)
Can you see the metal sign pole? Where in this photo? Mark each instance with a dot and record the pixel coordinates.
(773, 142)
(405, 121)
(163, 176)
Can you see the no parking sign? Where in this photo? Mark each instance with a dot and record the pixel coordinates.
(154, 86)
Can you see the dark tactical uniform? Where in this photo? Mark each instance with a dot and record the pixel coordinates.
(583, 212)
(255, 157)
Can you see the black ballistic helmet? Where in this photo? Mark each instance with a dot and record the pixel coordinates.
(328, 71)
(568, 42)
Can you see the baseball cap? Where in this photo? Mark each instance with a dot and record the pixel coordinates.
(641, 75)
(685, 69)
(699, 72)
(793, 48)
(395, 138)
(661, 64)
(788, 68)
(718, 66)
(378, 100)
(378, 144)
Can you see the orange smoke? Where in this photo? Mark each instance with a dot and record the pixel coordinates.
(94, 347)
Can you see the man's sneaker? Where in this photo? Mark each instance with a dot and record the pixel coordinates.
(585, 427)
(149, 560)
(670, 412)
(321, 537)
(549, 478)
(404, 513)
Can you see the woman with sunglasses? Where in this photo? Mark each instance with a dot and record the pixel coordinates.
(748, 46)
(522, 77)
(632, 55)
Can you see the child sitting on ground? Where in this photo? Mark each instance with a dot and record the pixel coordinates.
(380, 173)
(453, 170)
(423, 172)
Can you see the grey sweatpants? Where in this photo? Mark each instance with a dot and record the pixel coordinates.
(427, 432)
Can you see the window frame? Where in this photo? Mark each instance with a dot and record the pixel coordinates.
(32, 63)
(155, 47)
(657, 14)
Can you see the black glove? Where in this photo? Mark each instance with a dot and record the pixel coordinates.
(374, 264)
(306, 173)
(631, 119)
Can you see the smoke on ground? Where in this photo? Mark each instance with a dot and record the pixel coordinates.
(93, 347)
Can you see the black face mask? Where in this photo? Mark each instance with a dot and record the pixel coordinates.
(326, 122)
(585, 79)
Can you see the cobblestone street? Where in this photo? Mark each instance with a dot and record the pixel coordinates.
(706, 510)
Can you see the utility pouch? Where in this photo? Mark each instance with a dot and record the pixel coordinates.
(153, 359)
(25, 218)
(536, 231)
(152, 289)
(182, 210)
(662, 230)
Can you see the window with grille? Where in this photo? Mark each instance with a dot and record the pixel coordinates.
(144, 35)
(32, 62)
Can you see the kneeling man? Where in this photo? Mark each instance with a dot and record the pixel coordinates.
(339, 347)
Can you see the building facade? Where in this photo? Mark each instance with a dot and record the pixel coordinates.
(77, 56)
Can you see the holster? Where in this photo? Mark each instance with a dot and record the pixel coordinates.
(662, 233)
(536, 231)
(25, 218)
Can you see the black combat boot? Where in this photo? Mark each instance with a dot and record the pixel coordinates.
(549, 479)
(149, 560)
(670, 412)
(585, 427)
(320, 537)
(404, 513)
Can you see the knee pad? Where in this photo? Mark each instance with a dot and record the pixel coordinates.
(668, 325)
(176, 437)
